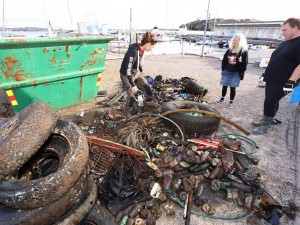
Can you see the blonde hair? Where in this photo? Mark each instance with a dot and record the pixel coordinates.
(242, 42)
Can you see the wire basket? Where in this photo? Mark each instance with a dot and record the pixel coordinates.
(100, 159)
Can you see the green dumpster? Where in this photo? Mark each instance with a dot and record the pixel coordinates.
(59, 71)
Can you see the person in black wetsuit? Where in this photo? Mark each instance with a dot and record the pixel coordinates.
(131, 70)
(282, 73)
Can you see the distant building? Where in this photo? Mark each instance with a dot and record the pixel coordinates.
(269, 29)
(162, 31)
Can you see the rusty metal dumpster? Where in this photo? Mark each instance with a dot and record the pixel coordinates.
(59, 71)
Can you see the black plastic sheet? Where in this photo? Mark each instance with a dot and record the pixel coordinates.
(119, 189)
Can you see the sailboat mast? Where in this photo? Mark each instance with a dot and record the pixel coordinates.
(3, 20)
(49, 26)
(47, 20)
(204, 35)
(167, 16)
(130, 26)
(70, 14)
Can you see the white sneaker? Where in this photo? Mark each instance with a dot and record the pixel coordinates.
(230, 105)
(220, 101)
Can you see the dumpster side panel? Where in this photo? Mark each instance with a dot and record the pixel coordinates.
(61, 72)
(60, 94)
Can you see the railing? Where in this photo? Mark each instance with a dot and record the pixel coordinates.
(118, 47)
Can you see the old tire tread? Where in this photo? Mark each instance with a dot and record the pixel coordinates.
(49, 213)
(37, 121)
(40, 192)
(77, 215)
(100, 215)
(200, 125)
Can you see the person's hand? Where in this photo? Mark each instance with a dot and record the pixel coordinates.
(289, 86)
(242, 76)
(261, 78)
(134, 89)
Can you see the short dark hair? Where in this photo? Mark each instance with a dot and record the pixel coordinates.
(293, 22)
(148, 37)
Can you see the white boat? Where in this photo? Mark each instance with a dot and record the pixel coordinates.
(258, 47)
(165, 37)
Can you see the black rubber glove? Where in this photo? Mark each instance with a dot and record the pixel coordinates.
(289, 86)
(262, 77)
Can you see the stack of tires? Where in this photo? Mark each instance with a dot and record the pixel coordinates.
(43, 169)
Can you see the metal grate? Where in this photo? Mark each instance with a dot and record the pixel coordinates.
(100, 159)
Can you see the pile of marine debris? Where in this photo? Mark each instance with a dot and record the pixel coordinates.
(145, 167)
(164, 90)
(137, 169)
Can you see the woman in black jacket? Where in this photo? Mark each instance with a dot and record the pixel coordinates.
(234, 65)
(132, 68)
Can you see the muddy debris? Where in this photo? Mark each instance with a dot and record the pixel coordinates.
(143, 169)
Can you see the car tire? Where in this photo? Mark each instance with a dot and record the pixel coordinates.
(99, 215)
(49, 213)
(36, 122)
(40, 192)
(190, 124)
(78, 214)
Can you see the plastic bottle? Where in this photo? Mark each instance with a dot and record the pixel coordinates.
(256, 204)
(124, 220)
(187, 184)
(176, 184)
(168, 176)
(248, 202)
(204, 156)
(136, 208)
(215, 172)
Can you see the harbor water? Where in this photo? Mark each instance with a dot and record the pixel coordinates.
(184, 47)
(168, 47)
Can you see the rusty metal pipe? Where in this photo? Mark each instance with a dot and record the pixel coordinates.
(113, 145)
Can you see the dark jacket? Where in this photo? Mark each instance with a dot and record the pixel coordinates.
(283, 62)
(241, 62)
(131, 60)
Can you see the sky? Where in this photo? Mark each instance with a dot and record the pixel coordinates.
(146, 14)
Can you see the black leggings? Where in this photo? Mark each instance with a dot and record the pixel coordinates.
(232, 92)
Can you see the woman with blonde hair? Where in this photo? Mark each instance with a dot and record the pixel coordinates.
(234, 65)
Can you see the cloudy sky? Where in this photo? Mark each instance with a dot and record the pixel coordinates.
(145, 13)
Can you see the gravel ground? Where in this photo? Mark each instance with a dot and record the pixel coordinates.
(277, 155)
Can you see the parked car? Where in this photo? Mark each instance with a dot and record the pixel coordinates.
(223, 43)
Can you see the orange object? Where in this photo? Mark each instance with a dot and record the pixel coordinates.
(205, 143)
